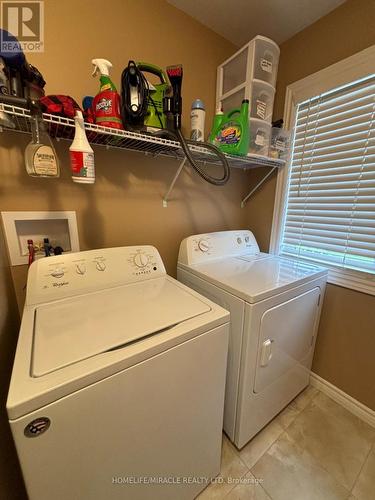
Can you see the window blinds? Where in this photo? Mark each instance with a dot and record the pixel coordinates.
(330, 211)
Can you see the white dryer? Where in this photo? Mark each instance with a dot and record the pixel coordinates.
(275, 306)
(117, 390)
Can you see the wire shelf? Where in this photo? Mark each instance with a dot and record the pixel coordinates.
(63, 128)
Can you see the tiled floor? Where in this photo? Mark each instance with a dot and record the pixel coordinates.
(313, 450)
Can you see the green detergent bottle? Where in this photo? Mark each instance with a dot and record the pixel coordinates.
(230, 131)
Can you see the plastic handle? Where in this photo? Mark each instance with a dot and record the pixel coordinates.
(266, 353)
(154, 70)
(233, 112)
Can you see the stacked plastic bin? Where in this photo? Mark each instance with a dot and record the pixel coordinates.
(251, 74)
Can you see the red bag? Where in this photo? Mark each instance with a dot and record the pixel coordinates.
(61, 105)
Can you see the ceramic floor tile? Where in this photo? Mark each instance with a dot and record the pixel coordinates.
(248, 489)
(305, 397)
(339, 441)
(290, 473)
(287, 416)
(232, 469)
(252, 452)
(364, 488)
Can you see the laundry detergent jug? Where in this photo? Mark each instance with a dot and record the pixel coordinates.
(230, 131)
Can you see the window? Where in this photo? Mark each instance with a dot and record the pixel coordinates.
(328, 207)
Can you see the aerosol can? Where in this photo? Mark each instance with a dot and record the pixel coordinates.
(106, 104)
(197, 117)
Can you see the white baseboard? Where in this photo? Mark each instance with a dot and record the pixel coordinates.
(358, 409)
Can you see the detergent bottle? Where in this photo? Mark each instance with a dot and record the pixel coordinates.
(230, 131)
(106, 104)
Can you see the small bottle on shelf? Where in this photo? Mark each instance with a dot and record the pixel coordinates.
(40, 155)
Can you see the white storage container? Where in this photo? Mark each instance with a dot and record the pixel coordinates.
(234, 71)
(262, 95)
(280, 143)
(260, 135)
(251, 74)
(266, 59)
(233, 101)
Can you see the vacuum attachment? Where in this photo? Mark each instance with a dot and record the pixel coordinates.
(175, 74)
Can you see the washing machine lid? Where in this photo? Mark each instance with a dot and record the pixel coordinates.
(257, 277)
(74, 329)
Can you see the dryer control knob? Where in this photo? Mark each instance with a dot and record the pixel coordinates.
(140, 260)
(203, 245)
(100, 266)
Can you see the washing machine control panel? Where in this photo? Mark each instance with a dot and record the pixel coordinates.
(210, 246)
(71, 274)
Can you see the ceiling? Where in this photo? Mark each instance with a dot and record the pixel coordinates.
(240, 20)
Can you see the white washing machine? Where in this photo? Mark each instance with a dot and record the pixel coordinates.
(275, 307)
(117, 389)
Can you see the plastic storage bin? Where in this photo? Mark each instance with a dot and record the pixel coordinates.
(234, 71)
(233, 101)
(262, 96)
(260, 135)
(280, 143)
(266, 59)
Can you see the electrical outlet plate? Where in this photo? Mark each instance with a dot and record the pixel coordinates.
(59, 227)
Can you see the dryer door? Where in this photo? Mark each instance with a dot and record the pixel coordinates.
(286, 337)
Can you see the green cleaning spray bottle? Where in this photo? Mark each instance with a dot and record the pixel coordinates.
(106, 104)
(230, 131)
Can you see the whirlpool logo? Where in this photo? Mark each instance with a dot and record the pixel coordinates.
(59, 284)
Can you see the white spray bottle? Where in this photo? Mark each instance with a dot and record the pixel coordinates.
(81, 154)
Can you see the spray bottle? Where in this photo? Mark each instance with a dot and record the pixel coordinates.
(81, 154)
(106, 104)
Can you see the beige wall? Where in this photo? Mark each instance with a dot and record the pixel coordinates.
(11, 485)
(345, 350)
(124, 206)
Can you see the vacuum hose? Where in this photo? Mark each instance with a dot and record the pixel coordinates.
(208, 178)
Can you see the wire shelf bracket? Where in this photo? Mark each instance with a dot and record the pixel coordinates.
(174, 180)
(248, 196)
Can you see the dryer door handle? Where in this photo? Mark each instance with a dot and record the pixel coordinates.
(266, 354)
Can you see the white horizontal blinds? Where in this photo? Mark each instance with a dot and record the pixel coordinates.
(330, 215)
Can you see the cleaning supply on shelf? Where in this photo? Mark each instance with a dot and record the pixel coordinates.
(47, 247)
(40, 155)
(30, 248)
(197, 118)
(106, 104)
(218, 118)
(88, 113)
(230, 131)
(81, 154)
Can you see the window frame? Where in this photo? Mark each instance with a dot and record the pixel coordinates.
(345, 71)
